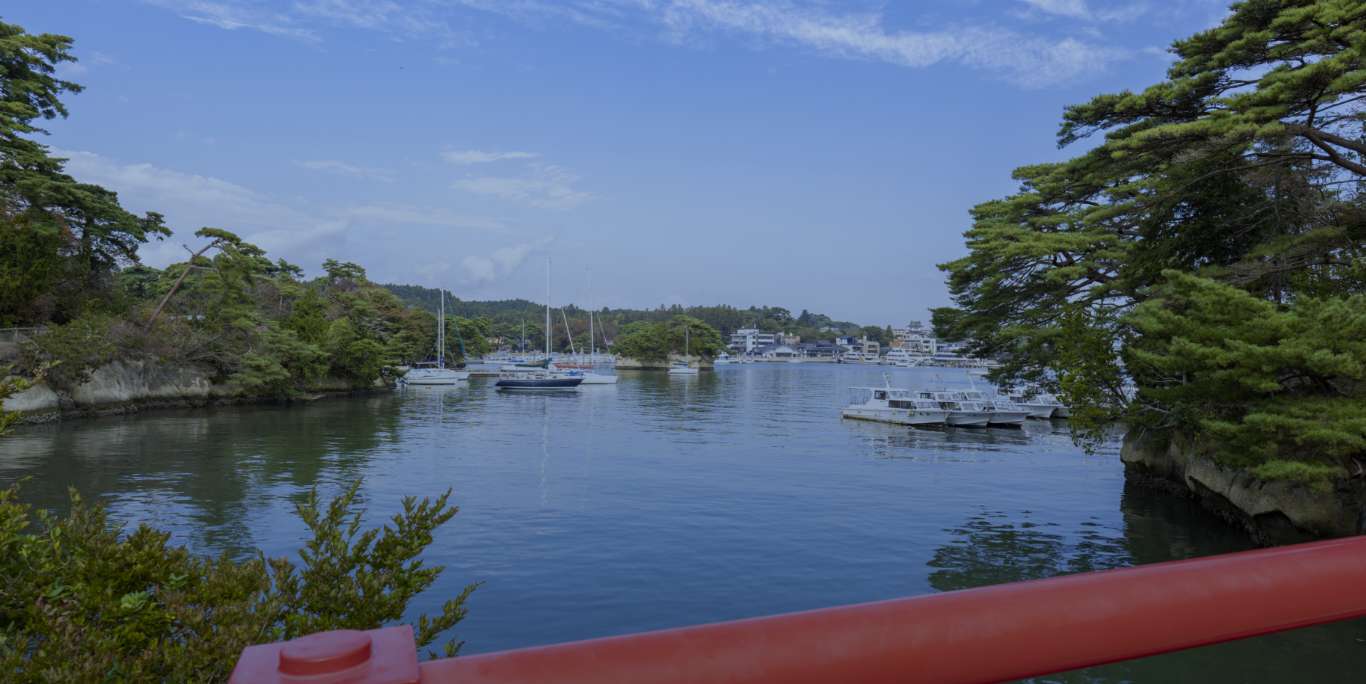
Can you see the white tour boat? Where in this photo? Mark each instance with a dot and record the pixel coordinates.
(1003, 412)
(893, 405)
(962, 413)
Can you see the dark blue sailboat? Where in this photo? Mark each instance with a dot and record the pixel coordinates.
(539, 377)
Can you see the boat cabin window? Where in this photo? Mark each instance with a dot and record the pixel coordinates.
(880, 394)
(902, 404)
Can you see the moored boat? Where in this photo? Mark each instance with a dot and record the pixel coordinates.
(1003, 412)
(961, 412)
(539, 377)
(436, 373)
(893, 405)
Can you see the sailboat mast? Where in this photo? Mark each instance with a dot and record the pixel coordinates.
(592, 341)
(441, 333)
(547, 308)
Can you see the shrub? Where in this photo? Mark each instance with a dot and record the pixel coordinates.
(67, 353)
(82, 601)
(1316, 475)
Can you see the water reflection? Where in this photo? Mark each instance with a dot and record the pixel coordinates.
(210, 464)
(741, 491)
(995, 547)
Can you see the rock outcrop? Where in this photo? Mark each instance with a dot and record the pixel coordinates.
(627, 363)
(1273, 512)
(129, 386)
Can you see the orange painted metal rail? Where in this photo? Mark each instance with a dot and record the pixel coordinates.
(977, 635)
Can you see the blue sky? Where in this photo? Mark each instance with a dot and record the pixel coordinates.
(800, 153)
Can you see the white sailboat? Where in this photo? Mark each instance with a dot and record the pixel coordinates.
(592, 376)
(682, 367)
(438, 373)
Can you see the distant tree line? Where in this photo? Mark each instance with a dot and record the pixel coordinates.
(505, 319)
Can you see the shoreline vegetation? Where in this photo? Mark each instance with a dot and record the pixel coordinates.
(1200, 272)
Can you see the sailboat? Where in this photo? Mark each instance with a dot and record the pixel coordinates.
(438, 373)
(538, 379)
(591, 376)
(682, 367)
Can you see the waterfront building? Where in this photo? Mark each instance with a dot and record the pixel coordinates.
(746, 340)
(775, 352)
(823, 349)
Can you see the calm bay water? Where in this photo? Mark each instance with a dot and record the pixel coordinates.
(667, 501)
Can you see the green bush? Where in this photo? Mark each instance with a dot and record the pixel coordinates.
(1315, 475)
(68, 353)
(83, 601)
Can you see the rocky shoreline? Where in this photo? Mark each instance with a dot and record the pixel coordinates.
(133, 386)
(1273, 512)
(627, 363)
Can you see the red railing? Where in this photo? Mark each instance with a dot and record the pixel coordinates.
(978, 635)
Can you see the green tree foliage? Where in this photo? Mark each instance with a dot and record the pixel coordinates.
(85, 600)
(655, 341)
(1242, 170)
(643, 341)
(69, 236)
(1262, 380)
(66, 354)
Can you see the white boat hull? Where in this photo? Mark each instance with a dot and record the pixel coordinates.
(968, 418)
(1007, 418)
(1039, 411)
(595, 379)
(435, 376)
(896, 416)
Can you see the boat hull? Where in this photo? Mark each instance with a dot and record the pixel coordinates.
(1007, 418)
(1039, 411)
(896, 416)
(968, 418)
(443, 377)
(538, 385)
(595, 379)
(682, 371)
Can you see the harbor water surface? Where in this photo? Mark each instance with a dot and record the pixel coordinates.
(665, 501)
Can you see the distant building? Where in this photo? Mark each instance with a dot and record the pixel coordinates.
(915, 339)
(746, 340)
(823, 349)
(776, 351)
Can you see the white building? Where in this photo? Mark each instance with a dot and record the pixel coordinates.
(746, 340)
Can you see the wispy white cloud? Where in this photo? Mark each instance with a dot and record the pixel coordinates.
(1024, 58)
(288, 229)
(545, 185)
(340, 168)
(397, 214)
(484, 269)
(467, 157)
(1066, 8)
(1125, 10)
(231, 15)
